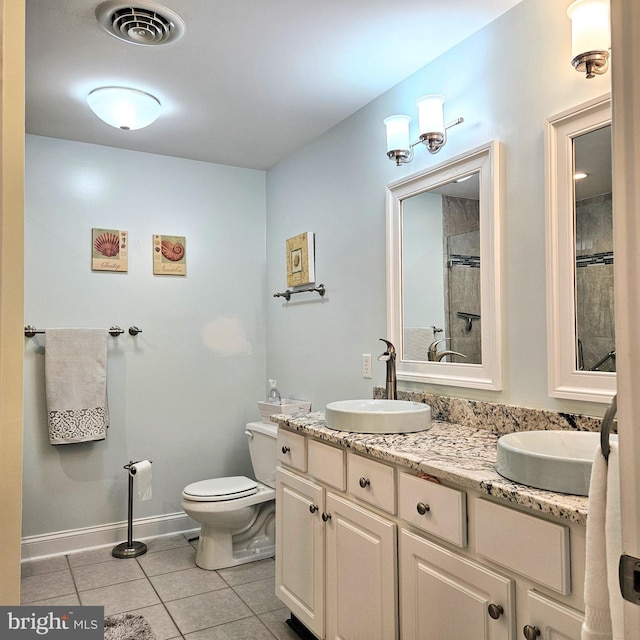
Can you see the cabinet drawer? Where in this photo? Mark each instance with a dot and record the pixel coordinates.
(292, 449)
(431, 507)
(503, 534)
(326, 464)
(372, 482)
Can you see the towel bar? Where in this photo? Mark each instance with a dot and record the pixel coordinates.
(605, 429)
(30, 331)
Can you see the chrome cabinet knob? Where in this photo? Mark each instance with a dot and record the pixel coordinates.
(495, 610)
(364, 482)
(422, 508)
(530, 633)
(313, 508)
(285, 449)
(326, 516)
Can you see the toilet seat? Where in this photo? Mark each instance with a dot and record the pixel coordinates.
(220, 489)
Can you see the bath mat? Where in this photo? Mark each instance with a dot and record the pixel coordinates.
(126, 626)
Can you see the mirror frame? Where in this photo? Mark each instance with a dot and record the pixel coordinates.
(565, 380)
(487, 375)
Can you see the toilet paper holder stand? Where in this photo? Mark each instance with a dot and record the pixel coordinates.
(131, 548)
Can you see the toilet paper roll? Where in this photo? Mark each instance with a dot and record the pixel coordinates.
(142, 472)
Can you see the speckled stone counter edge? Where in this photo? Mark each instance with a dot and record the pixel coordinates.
(461, 453)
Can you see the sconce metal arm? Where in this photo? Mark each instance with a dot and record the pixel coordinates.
(433, 141)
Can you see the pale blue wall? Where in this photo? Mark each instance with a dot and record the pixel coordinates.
(182, 391)
(504, 80)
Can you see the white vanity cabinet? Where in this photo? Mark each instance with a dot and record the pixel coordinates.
(335, 560)
(547, 619)
(368, 550)
(445, 595)
(300, 548)
(360, 566)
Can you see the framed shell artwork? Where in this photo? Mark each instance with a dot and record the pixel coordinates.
(301, 260)
(169, 255)
(109, 250)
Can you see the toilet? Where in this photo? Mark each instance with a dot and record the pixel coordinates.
(237, 514)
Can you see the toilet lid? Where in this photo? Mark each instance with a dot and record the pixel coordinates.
(221, 489)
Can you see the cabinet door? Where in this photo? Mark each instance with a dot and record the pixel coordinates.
(361, 573)
(550, 620)
(300, 548)
(445, 596)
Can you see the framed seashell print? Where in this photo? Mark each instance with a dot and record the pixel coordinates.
(109, 250)
(169, 255)
(301, 259)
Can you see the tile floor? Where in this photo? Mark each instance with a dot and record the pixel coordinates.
(164, 585)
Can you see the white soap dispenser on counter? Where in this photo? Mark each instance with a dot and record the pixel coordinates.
(274, 395)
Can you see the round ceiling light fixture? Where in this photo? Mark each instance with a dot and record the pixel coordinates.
(124, 108)
(145, 23)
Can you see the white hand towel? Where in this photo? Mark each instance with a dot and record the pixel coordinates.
(597, 616)
(76, 384)
(602, 599)
(141, 471)
(613, 537)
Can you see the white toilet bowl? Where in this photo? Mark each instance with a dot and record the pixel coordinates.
(237, 514)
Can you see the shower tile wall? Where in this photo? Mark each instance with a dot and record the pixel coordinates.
(594, 280)
(461, 232)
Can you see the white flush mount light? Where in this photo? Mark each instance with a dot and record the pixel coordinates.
(579, 175)
(433, 131)
(124, 108)
(590, 36)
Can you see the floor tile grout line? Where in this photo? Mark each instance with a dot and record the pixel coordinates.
(229, 582)
(160, 598)
(73, 579)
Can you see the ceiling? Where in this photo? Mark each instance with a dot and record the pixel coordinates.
(249, 82)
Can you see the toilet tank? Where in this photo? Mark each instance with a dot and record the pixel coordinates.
(263, 449)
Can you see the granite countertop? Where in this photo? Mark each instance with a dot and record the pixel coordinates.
(462, 455)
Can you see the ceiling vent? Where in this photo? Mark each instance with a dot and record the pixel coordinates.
(144, 23)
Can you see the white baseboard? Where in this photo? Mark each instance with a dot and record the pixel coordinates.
(73, 540)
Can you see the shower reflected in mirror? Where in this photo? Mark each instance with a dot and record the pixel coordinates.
(595, 310)
(441, 273)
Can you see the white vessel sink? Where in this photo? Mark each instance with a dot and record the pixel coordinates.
(378, 416)
(555, 460)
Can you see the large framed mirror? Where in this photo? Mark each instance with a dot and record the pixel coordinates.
(579, 230)
(443, 272)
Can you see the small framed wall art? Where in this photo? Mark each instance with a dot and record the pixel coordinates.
(169, 255)
(301, 259)
(109, 250)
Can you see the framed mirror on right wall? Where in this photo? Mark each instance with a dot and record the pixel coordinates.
(579, 244)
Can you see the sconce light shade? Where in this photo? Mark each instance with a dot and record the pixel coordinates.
(590, 36)
(431, 114)
(124, 108)
(397, 135)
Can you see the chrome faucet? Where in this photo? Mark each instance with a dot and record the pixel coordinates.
(433, 355)
(389, 356)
